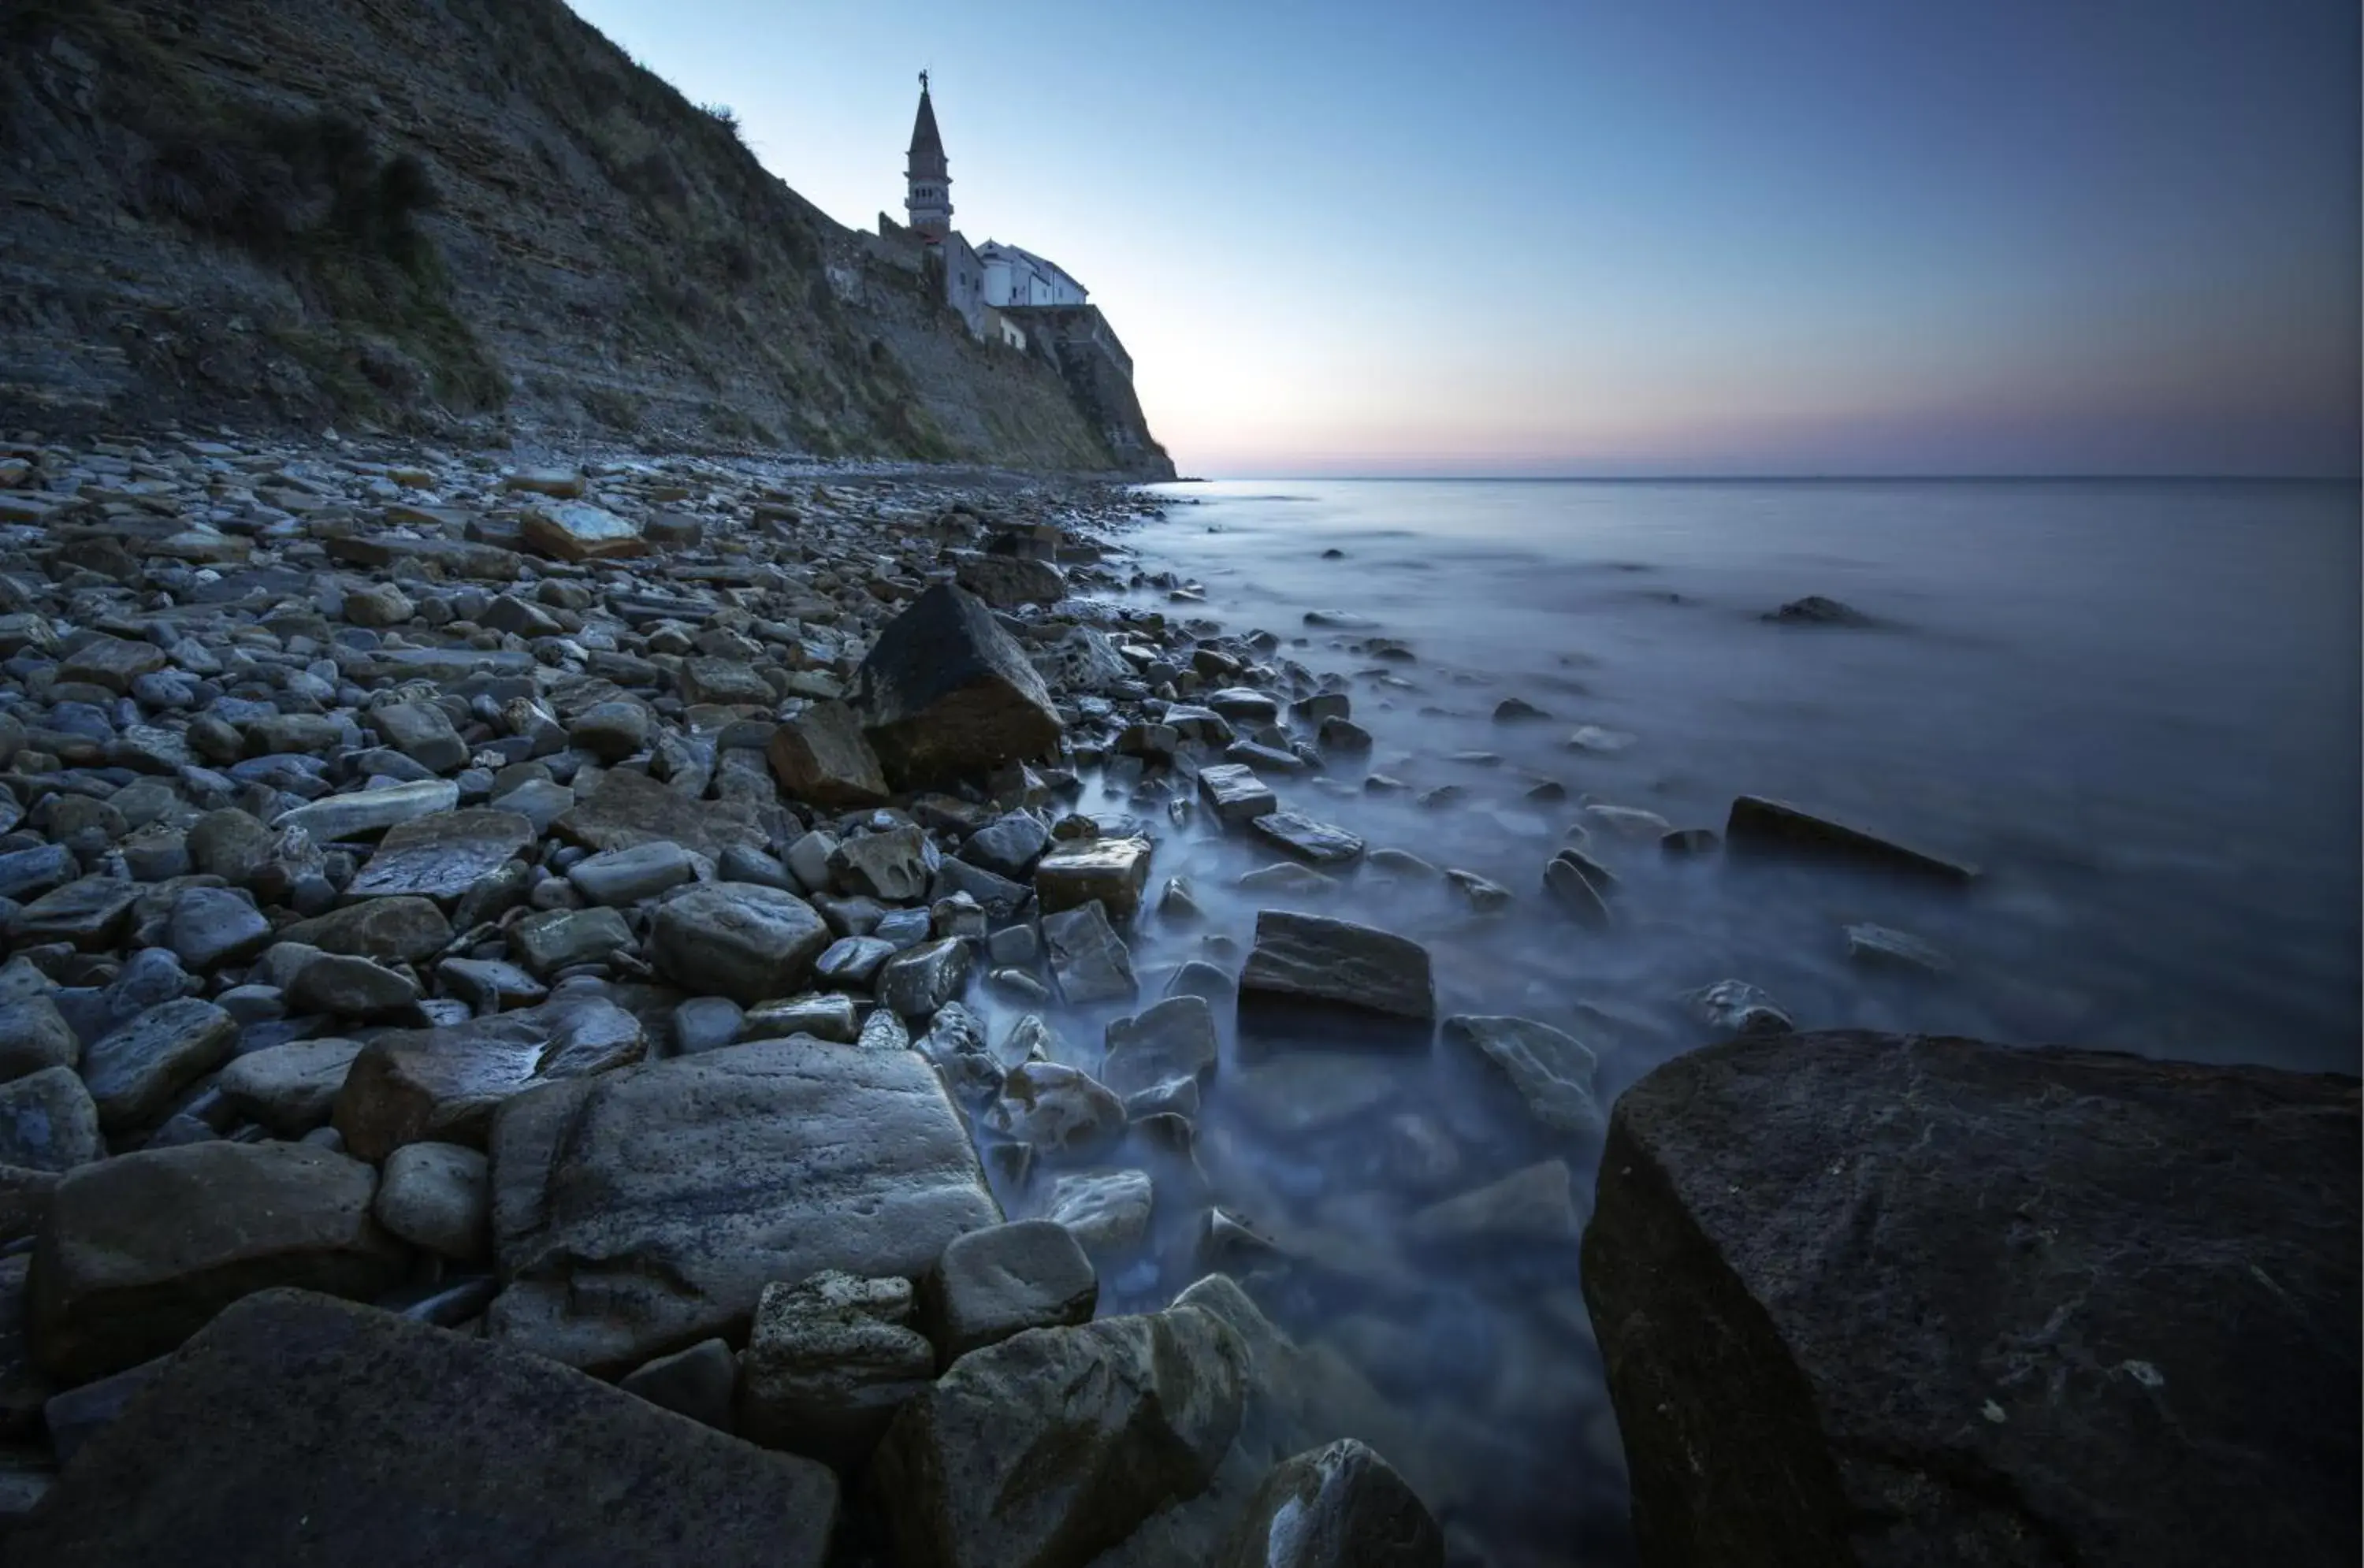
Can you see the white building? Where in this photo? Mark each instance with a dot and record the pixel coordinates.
(1013, 276)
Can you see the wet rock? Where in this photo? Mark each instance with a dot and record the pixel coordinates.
(111, 662)
(90, 915)
(822, 757)
(47, 1122)
(35, 1035)
(1575, 895)
(1009, 846)
(946, 693)
(610, 731)
(895, 866)
(1105, 1211)
(1301, 960)
(576, 530)
(992, 1284)
(442, 856)
(444, 1085)
(345, 985)
(561, 939)
(701, 1383)
(1883, 947)
(1816, 611)
(1343, 736)
(829, 1361)
(438, 1197)
(422, 732)
(1337, 1506)
(134, 1072)
(212, 926)
(392, 930)
(1690, 843)
(739, 1167)
(1760, 826)
(913, 985)
(1482, 895)
(1083, 660)
(1517, 710)
(823, 1016)
(1006, 582)
(1056, 1107)
(1175, 1039)
(738, 939)
(1550, 1072)
(1534, 1205)
(853, 961)
(1088, 958)
(318, 1409)
(1140, 1411)
(1734, 1006)
(141, 1251)
(622, 877)
(1317, 843)
(1111, 870)
(2051, 1322)
(288, 1089)
(629, 808)
(706, 1023)
(1234, 794)
(353, 816)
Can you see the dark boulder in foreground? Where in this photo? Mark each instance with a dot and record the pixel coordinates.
(300, 1429)
(947, 694)
(1903, 1300)
(1757, 825)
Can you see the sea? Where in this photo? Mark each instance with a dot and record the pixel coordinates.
(2133, 705)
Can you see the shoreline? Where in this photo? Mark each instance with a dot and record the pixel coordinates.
(629, 914)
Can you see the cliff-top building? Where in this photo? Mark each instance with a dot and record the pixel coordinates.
(1010, 295)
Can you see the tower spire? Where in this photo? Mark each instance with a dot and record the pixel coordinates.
(928, 200)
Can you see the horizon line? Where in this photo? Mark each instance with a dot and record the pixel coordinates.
(2248, 478)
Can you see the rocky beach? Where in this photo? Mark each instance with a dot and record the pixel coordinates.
(660, 1008)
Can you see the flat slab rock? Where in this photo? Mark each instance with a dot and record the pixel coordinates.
(1904, 1300)
(443, 857)
(1311, 960)
(644, 1210)
(336, 1433)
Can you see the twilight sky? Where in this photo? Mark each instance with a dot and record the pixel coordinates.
(1600, 236)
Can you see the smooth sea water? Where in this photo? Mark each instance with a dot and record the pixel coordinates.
(2133, 706)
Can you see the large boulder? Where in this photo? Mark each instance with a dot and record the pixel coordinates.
(338, 1433)
(947, 694)
(740, 939)
(418, 1086)
(138, 1252)
(1872, 1299)
(644, 1210)
(1049, 1448)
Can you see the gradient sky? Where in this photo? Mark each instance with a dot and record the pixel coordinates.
(1672, 236)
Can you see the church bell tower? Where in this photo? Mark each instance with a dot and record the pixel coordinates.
(928, 203)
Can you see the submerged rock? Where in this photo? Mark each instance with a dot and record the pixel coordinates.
(1757, 825)
(1551, 1072)
(1816, 611)
(1909, 1299)
(1311, 960)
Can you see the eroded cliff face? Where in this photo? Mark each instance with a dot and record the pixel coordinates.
(474, 216)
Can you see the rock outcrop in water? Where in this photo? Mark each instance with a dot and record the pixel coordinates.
(1902, 1300)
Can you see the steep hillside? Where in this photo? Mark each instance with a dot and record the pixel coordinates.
(477, 217)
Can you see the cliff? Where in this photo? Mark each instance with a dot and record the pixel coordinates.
(472, 217)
